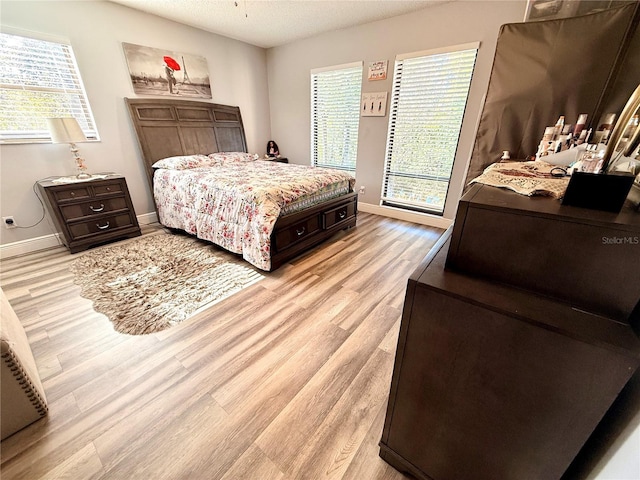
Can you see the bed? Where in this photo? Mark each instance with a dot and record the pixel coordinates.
(201, 136)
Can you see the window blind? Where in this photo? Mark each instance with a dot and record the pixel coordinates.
(39, 79)
(427, 107)
(335, 116)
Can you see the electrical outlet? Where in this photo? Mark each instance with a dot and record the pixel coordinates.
(362, 189)
(9, 222)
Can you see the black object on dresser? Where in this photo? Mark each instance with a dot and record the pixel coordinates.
(512, 344)
(91, 212)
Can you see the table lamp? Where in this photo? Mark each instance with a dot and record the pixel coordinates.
(67, 130)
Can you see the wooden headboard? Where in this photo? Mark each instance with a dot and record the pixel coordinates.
(168, 127)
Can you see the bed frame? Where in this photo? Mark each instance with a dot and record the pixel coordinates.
(168, 127)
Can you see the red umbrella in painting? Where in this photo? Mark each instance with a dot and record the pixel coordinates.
(171, 63)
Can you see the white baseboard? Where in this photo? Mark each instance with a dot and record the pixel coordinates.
(147, 218)
(30, 245)
(49, 241)
(400, 214)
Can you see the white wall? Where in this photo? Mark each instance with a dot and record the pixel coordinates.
(443, 25)
(96, 30)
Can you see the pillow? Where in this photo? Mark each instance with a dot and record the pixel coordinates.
(183, 162)
(223, 157)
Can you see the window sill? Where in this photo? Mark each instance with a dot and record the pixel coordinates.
(401, 214)
(29, 141)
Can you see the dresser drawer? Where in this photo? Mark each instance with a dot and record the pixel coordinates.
(94, 207)
(338, 214)
(101, 225)
(297, 232)
(73, 193)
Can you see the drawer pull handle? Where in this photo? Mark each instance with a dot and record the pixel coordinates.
(102, 227)
(300, 232)
(99, 209)
(108, 189)
(73, 194)
(342, 214)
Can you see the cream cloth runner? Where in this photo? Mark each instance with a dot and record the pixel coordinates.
(525, 178)
(76, 179)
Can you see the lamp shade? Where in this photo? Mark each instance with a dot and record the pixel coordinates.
(65, 130)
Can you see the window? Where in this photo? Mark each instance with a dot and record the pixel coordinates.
(39, 80)
(429, 97)
(335, 116)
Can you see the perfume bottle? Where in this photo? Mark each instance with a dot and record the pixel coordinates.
(580, 124)
(591, 160)
(629, 130)
(557, 130)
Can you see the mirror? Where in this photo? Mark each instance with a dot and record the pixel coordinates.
(614, 145)
(533, 82)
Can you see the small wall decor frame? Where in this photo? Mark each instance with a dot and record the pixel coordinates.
(378, 70)
(373, 104)
(163, 72)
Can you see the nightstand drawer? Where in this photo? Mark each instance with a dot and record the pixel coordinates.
(100, 225)
(93, 207)
(108, 188)
(74, 193)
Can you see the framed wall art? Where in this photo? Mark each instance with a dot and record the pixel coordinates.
(378, 70)
(154, 71)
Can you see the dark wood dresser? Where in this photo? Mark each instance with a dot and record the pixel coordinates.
(588, 258)
(513, 343)
(90, 212)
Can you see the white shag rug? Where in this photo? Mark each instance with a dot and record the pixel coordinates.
(153, 282)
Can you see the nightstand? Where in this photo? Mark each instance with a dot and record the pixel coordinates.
(278, 159)
(90, 212)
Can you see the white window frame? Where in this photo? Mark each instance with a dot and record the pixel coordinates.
(69, 96)
(393, 140)
(347, 158)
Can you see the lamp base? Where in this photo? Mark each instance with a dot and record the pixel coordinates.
(79, 163)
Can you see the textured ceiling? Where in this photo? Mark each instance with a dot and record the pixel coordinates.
(269, 23)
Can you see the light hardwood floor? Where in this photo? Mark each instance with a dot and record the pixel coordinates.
(287, 379)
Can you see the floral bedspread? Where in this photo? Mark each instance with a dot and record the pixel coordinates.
(235, 203)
